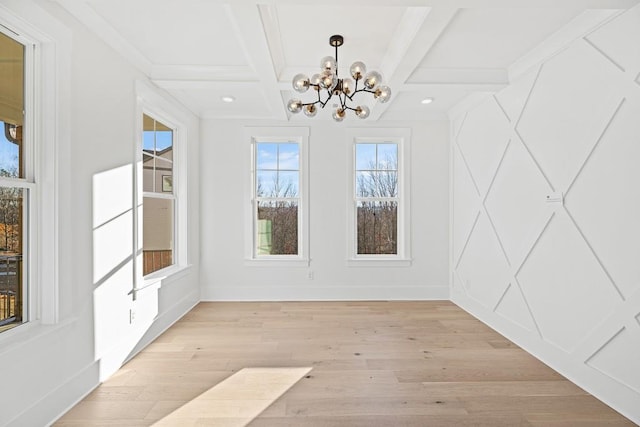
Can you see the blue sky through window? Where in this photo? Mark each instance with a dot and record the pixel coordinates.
(8, 153)
(163, 139)
(277, 169)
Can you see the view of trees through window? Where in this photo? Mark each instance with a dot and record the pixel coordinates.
(376, 181)
(277, 180)
(13, 186)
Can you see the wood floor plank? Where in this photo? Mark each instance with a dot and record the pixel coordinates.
(419, 363)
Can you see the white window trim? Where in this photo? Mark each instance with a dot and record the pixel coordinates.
(156, 105)
(47, 109)
(298, 135)
(402, 137)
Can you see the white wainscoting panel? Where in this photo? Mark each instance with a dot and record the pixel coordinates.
(545, 187)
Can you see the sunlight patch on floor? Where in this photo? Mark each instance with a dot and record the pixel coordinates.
(237, 400)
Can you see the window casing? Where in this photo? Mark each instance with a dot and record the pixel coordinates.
(161, 226)
(378, 214)
(32, 107)
(17, 183)
(277, 220)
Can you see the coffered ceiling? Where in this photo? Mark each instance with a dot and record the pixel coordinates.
(451, 51)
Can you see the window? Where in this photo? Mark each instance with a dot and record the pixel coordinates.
(158, 196)
(278, 195)
(16, 184)
(376, 181)
(378, 217)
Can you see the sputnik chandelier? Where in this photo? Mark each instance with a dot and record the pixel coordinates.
(328, 83)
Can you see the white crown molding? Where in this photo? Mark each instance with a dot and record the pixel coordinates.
(96, 23)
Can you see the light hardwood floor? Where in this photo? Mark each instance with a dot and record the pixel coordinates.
(372, 364)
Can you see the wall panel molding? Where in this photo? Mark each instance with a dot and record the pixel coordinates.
(557, 199)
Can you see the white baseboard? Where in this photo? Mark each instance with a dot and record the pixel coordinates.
(609, 391)
(46, 410)
(323, 293)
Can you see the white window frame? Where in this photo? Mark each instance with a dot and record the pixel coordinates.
(45, 134)
(401, 137)
(299, 135)
(159, 107)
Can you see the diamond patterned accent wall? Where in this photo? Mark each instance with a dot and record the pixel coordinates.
(562, 279)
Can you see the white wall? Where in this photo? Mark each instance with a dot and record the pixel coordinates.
(225, 160)
(561, 280)
(46, 368)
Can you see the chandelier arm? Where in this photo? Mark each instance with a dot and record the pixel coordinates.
(337, 60)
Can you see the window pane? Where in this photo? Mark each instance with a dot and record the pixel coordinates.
(266, 184)
(11, 107)
(365, 156)
(288, 184)
(157, 156)
(12, 289)
(266, 156)
(387, 156)
(365, 184)
(376, 184)
(288, 157)
(157, 247)
(277, 228)
(377, 224)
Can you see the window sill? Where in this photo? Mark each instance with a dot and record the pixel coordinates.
(171, 273)
(26, 332)
(379, 262)
(276, 262)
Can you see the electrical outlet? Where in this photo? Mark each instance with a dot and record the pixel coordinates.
(132, 315)
(310, 275)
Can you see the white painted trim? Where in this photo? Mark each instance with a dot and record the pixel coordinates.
(623, 399)
(155, 103)
(299, 135)
(578, 27)
(86, 14)
(45, 411)
(402, 137)
(274, 261)
(378, 262)
(47, 108)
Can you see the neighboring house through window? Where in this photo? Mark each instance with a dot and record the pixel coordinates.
(158, 195)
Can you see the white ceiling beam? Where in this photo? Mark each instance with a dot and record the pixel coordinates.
(250, 32)
(580, 26)
(419, 30)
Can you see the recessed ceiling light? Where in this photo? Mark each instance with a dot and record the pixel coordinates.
(228, 98)
(427, 101)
